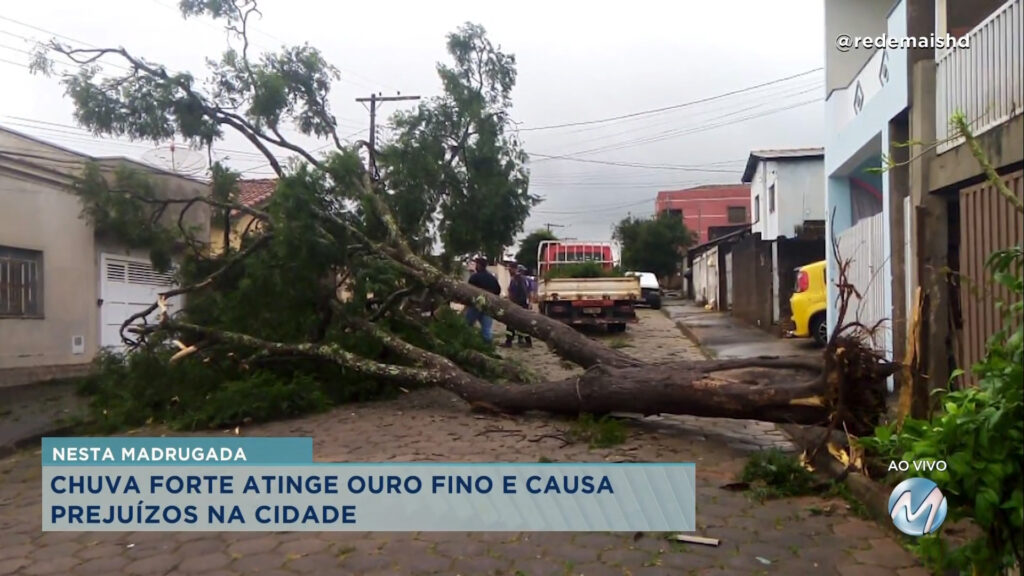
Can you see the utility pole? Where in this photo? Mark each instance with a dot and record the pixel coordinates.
(373, 99)
(550, 226)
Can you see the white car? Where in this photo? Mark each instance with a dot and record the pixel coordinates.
(650, 290)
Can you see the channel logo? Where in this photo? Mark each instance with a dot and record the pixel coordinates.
(917, 507)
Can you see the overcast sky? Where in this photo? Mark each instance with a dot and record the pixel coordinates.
(577, 62)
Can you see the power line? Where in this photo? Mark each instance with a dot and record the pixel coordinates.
(637, 164)
(687, 130)
(661, 126)
(593, 211)
(672, 107)
(82, 135)
(56, 35)
(641, 124)
(13, 63)
(708, 128)
(314, 150)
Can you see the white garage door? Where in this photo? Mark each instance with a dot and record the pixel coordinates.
(128, 286)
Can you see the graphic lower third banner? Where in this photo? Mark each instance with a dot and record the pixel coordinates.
(272, 485)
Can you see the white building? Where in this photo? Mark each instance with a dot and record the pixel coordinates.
(787, 189)
(787, 201)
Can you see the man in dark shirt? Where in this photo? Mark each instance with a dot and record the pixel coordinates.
(519, 293)
(486, 281)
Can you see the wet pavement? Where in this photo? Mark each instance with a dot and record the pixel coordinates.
(30, 412)
(786, 537)
(721, 335)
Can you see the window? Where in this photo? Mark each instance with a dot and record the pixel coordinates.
(757, 208)
(771, 199)
(21, 283)
(676, 213)
(737, 214)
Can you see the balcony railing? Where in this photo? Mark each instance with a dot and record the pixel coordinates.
(982, 81)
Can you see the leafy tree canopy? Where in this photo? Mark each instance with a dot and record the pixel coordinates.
(653, 244)
(527, 254)
(453, 174)
(455, 170)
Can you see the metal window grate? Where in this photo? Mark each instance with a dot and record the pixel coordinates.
(20, 283)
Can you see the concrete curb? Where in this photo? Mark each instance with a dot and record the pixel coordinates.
(873, 495)
(12, 448)
(691, 336)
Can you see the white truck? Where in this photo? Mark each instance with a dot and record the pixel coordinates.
(579, 301)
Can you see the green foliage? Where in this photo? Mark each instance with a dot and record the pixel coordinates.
(653, 244)
(450, 329)
(980, 436)
(456, 171)
(775, 474)
(144, 388)
(122, 206)
(527, 254)
(582, 270)
(603, 432)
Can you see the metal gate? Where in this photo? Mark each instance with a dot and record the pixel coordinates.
(129, 285)
(863, 245)
(988, 222)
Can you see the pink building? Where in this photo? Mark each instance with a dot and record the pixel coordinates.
(706, 207)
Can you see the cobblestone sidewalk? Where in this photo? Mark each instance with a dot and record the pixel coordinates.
(786, 537)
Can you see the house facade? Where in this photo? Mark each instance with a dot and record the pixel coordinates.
(705, 209)
(64, 288)
(252, 192)
(787, 191)
(787, 200)
(709, 271)
(906, 201)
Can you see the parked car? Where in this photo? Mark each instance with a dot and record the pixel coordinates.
(808, 303)
(650, 290)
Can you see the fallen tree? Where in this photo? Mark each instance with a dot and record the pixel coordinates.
(333, 219)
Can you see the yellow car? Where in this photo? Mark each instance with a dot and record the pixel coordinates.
(808, 303)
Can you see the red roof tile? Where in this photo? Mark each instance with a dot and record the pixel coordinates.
(256, 191)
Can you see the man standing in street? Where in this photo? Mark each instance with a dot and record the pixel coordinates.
(486, 281)
(518, 293)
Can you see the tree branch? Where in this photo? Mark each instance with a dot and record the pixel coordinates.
(86, 56)
(255, 213)
(990, 172)
(389, 302)
(329, 352)
(209, 280)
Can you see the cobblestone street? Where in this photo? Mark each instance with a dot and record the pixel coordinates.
(787, 537)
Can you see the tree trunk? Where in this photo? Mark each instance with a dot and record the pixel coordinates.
(770, 394)
(762, 393)
(563, 339)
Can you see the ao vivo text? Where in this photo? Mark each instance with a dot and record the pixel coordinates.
(917, 465)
